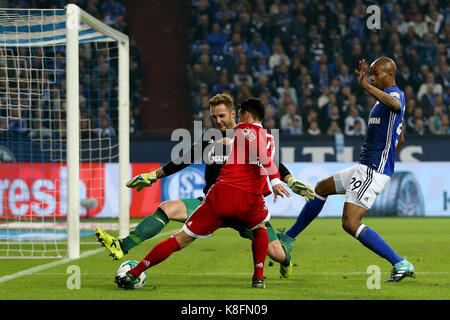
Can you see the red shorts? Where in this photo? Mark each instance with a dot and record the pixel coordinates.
(225, 205)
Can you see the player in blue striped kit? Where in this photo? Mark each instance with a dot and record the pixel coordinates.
(363, 182)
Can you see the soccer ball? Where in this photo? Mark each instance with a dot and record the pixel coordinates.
(127, 266)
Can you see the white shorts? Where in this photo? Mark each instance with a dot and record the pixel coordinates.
(361, 184)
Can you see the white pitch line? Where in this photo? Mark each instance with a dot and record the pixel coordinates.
(47, 266)
(300, 273)
(202, 274)
(63, 261)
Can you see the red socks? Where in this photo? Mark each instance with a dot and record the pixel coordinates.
(260, 244)
(159, 253)
(164, 249)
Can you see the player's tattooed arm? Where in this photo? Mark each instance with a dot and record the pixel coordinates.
(384, 98)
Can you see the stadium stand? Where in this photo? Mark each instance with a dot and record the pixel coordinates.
(95, 111)
(299, 57)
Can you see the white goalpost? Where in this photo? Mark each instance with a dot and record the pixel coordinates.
(64, 129)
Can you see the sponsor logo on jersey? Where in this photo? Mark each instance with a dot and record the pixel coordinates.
(219, 159)
(248, 134)
(257, 162)
(374, 120)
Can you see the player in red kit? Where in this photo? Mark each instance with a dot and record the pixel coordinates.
(236, 198)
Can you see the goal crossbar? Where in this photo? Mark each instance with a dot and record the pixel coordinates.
(26, 27)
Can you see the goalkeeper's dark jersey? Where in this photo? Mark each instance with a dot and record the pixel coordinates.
(217, 155)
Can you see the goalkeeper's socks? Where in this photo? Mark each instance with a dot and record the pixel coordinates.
(149, 227)
(247, 234)
(287, 260)
(374, 242)
(309, 212)
(260, 245)
(158, 254)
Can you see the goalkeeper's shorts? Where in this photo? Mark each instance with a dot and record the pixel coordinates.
(224, 204)
(360, 184)
(192, 204)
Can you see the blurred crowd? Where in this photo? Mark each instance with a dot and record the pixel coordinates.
(37, 109)
(299, 57)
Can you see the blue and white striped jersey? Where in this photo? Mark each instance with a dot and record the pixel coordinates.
(383, 131)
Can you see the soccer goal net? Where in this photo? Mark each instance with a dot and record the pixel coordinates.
(64, 129)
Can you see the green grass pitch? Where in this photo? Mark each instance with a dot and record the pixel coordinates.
(329, 265)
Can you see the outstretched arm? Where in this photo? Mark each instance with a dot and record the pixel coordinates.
(297, 186)
(144, 180)
(385, 98)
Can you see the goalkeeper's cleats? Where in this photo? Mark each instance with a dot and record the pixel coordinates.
(258, 283)
(111, 243)
(286, 265)
(402, 270)
(142, 181)
(301, 188)
(285, 240)
(285, 271)
(125, 280)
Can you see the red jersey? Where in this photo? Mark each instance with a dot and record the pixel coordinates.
(250, 160)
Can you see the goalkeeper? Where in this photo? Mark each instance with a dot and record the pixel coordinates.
(223, 116)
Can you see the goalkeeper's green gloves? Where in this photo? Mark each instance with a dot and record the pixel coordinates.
(301, 188)
(142, 180)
